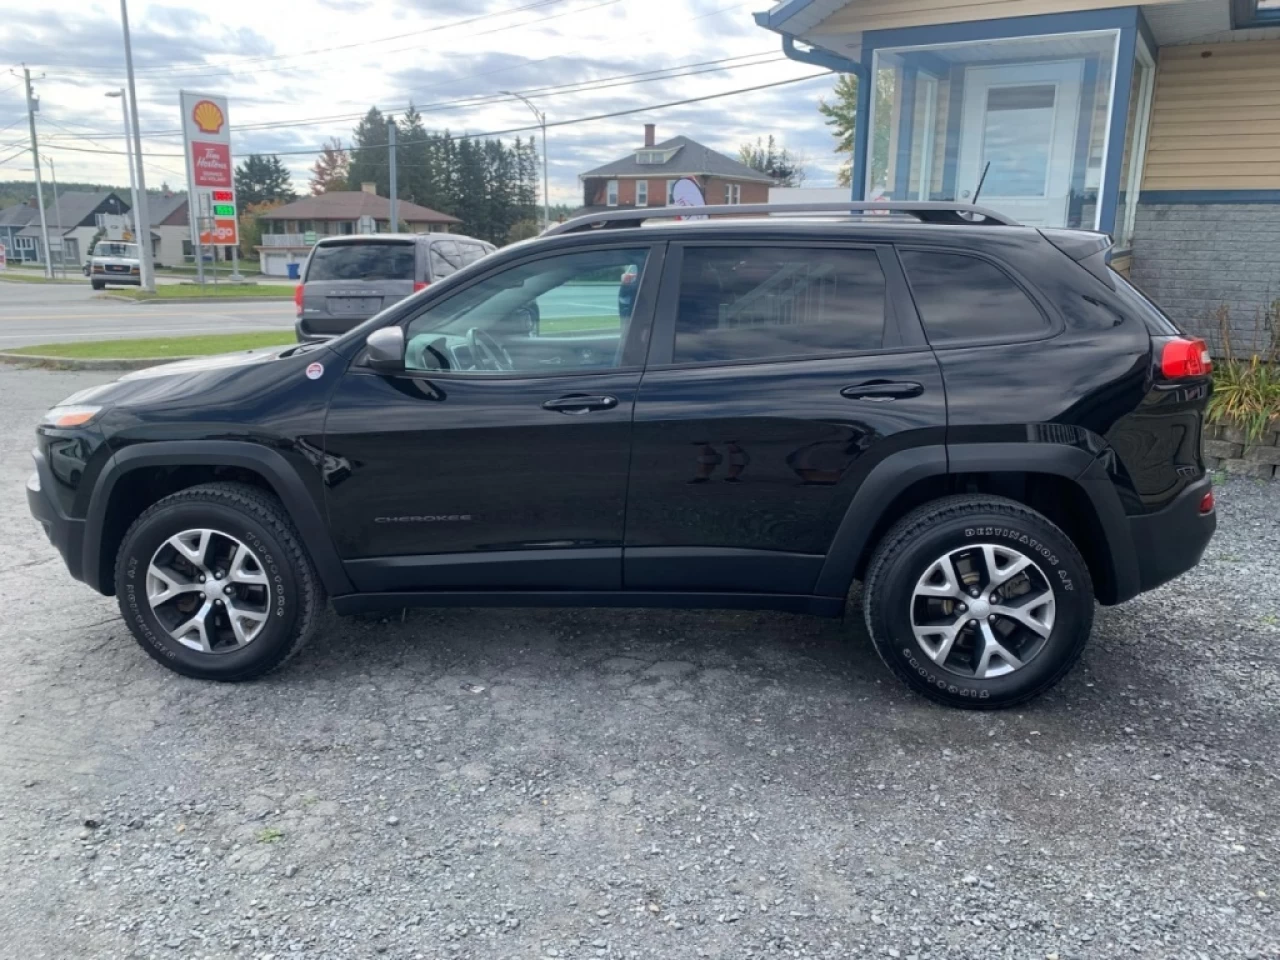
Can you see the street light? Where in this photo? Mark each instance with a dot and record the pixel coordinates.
(133, 180)
(147, 271)
(542, 121)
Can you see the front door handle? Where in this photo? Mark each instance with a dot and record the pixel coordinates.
(882, 391)
(577, 404)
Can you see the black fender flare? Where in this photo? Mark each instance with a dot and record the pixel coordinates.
(902, 469)
(268, 463)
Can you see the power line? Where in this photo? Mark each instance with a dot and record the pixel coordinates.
(523, 129)
(58, 146)
(223, 70)
(477, 100)
(14, 156)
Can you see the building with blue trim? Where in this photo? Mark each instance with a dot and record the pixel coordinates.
(1158, 123)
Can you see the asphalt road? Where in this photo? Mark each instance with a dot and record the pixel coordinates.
(513, 784)
(32, 313)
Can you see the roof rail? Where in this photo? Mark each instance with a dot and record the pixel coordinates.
(963, 214)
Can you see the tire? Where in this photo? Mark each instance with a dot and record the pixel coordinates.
(97, 284)
(274, 589)
(910, 623)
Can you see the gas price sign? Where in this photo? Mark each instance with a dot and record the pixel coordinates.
(210, 169)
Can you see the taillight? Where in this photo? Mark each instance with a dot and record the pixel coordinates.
(297, 299)
(419, 286)
(1207, 503)
(1185, 357)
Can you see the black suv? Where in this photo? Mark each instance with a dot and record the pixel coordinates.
(979, 421)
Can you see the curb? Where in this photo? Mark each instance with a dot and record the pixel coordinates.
(164, 300)
(122, 364)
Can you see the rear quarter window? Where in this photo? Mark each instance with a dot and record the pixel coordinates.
(362, 261)
(965, 298)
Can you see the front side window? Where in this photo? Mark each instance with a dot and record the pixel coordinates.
(963, 298)
(642, 193)
(553, 315)
(611, 197)
(765, 303)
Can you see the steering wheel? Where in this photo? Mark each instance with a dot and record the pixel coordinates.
(481, 342)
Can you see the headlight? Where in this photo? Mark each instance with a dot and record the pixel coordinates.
(70, 415)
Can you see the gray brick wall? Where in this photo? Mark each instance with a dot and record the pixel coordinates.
(1193, 258)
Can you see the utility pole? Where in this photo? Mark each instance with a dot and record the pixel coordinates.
(147, 271)
(546, 189)
(391, 158)
(32, 107)
(57, 214)
(133, 177)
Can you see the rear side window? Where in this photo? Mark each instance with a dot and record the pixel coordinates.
(445, 260)
(760, 303)
(362, 261)
(964, 298)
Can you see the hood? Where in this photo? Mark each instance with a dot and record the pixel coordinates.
(179, 368)
(202, 379)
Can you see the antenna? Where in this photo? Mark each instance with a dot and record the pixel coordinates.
(981, 180)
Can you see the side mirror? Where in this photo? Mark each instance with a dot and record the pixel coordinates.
(386, 350)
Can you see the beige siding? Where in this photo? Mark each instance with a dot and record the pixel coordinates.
(861, 15)
(1215, 122)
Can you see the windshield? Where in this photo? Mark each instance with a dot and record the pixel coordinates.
(362, 261)
(114, 248)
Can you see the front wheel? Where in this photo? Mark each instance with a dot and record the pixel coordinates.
(214, 583)
(97, 284)
(978, 602)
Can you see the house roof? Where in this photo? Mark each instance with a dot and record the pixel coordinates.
(167, 211)
(18, 215)
(352, 205)
(73, 209)
(689, 158)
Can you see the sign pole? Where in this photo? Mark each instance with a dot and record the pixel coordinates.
(147, 271)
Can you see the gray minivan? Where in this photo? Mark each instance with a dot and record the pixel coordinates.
(346, 280)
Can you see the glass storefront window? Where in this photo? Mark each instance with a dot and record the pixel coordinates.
(1023, 119)
(1135, 146)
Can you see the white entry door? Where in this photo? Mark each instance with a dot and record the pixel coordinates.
(1021, 119)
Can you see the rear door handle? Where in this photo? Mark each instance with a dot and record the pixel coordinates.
(576, 404)
(882, 391)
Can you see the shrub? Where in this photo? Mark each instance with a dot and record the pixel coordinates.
(1246, 383)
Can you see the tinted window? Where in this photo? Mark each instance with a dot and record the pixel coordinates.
(757, 303)
(362, 261)
(964, 298)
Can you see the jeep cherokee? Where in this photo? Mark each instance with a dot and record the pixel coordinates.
(980, 421)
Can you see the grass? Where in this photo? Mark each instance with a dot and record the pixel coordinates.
(1246, 382)
(177, 291)
(159, 348)
(13, 276)
(551, 327)
(270, 835)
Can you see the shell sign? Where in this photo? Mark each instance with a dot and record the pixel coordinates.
(208, 117)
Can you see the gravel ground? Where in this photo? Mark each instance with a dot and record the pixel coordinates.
(528, 784)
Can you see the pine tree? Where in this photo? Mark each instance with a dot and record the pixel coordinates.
(774, 161)
(369, 154)
(262, 178)
(413, 170)
(329, 173)
(842, 118)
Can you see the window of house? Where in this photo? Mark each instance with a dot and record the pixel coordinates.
(963, 298)
(733, 193)
(642, 193)
(763, 303)
(1141, 90)
(611, 193)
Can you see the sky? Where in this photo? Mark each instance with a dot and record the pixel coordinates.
(299, 72)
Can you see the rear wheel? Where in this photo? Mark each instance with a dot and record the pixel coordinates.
(978, 602)
(214, 583)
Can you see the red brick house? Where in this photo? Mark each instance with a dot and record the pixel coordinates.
(645, 176)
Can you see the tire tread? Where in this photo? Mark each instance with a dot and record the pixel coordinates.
(267, 510)
(930, 515)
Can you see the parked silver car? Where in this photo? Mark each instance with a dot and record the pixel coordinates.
(346, 280)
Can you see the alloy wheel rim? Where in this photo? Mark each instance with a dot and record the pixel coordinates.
(209, 591)
(983, 611)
